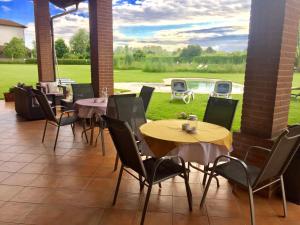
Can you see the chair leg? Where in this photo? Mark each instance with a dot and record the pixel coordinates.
(116, 162)
(188, 190)
(252, 210)
(206, 190)
(56, 138)
(146, 204)
(102, 141)
(283, 197)
(205, 175)
(118, 185)
(45, 128)
(141, 183)
(84, 130)
(73, 129)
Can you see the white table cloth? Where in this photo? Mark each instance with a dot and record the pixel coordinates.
(202, 153)
(87, 108)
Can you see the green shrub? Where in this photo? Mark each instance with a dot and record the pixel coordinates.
(64, 61)
(154, 66)
(9, 61)
(31, 61)
(221, 59)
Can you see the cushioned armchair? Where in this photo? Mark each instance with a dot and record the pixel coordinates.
(26, 104)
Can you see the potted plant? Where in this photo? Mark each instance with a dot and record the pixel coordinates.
(9, 96)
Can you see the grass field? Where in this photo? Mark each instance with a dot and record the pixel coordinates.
(160, 107)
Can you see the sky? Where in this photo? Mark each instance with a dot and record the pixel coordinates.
(172, 24)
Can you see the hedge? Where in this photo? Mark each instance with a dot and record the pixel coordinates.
(221, 59)
(64, 61)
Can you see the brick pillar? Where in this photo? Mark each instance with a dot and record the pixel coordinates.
(269, 72)
(43, 41)
(101, 36)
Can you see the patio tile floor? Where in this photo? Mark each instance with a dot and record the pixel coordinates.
(75, 185)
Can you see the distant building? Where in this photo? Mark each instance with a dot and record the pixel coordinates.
(8, 30)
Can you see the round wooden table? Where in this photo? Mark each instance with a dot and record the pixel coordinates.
(164, 136)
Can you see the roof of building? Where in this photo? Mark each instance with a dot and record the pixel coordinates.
(65, 3)
(10, 23)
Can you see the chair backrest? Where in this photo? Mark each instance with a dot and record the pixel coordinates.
(44, 104)
(111, 110)
(138, 116)
(179, 85)
(125, 144)
(220, 111)
(82, 91)
(131, 110)
(223, 87)
(281, 155)
(146, 94)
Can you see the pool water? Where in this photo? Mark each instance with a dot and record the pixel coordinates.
(207, 86)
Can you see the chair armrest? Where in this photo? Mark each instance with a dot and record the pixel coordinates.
(66, 112)
(256, 149)
(58, 106)
(240, 162)
(69, 111)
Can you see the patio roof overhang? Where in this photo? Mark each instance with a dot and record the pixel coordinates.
(65, 3)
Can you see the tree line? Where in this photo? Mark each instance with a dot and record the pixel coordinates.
(79, 48)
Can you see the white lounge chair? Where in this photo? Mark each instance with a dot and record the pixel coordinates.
(222, 89)
(180, 91)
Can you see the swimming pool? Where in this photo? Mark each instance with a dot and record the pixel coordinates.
(198, 85)
(205, 86)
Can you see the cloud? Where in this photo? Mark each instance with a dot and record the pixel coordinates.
(222, 24)
(5, 8)
(5, 0)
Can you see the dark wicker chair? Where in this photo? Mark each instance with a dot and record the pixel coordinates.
(150, 171)
(146, 94)
(50, 116)
(254, 178)
(220, 111)
(111, 111)
(80, 91)
(131, 110)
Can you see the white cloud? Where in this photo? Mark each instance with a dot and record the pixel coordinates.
(5, 8)
(5, 0)
(208, 13)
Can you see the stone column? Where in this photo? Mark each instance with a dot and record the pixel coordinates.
(101, 37)
(45, 62)
(269, 72)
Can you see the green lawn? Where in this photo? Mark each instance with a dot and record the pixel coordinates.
(160, 106)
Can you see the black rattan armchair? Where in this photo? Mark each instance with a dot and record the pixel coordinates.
(111, 111)
(80, 91)
(146, 94)
(220, 111)
(50, 116)
(254, 178)
(150, 171)
(131, 110)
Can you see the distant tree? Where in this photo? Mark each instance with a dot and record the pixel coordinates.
(61, 48)
(80, 43)
(191, 51)
(210, 50)
(139, 55)
(33, 50)
(15, 48)
(128, 56)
